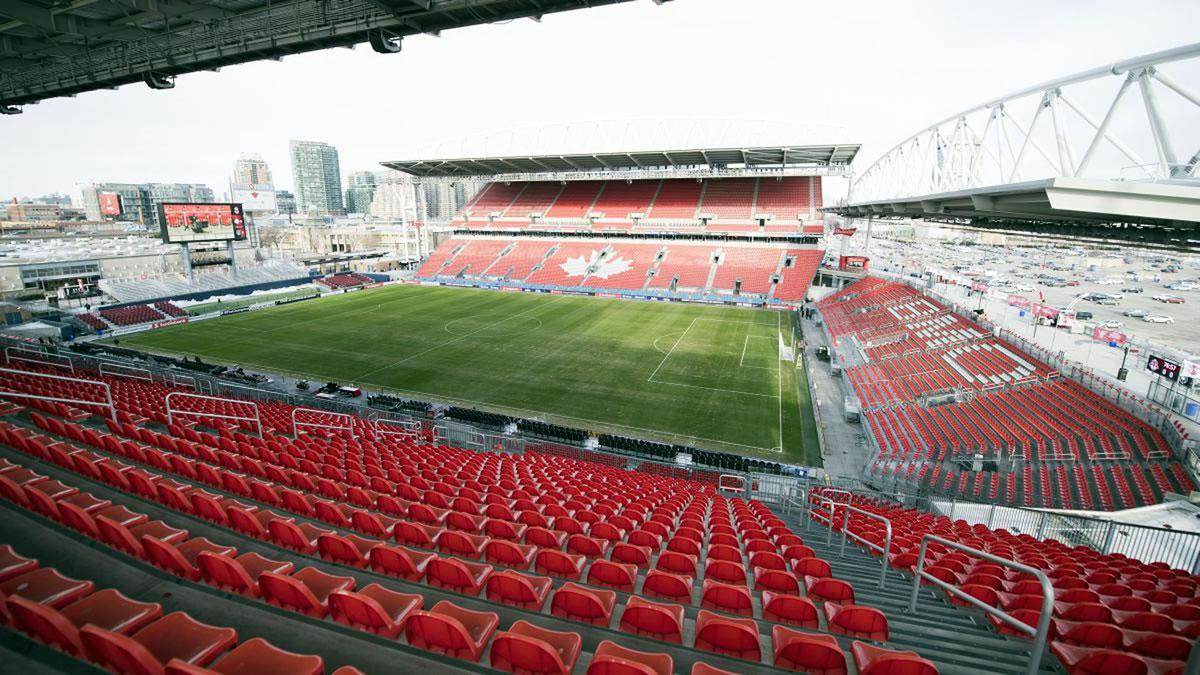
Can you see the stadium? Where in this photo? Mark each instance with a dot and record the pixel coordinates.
(647, 407)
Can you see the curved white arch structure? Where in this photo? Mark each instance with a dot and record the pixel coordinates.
(1134, 120)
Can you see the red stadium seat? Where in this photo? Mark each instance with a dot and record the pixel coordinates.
(253, 657)
(731, 598)
(525, 648)
(398, 561)
(611, 658)
(667, 586)
(558, 564)
(374, 608)
(829, 589)
(459, 575)
(733, 637)
(857, 621)
(46, 586)
(519, 590)
(451, 630)
(792, 610)
(509, 554)
(175, 636)
(589, 605)
(660, 621)
(1096, 661)
(807, 652)
(106, 609)
(612, 575)
(306, 591)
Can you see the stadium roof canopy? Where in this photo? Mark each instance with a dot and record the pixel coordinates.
(52, 48)
(736, 161)
(1163, 214)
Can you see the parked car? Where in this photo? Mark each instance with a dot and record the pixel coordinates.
(1135, 313)
(1157, 318)
(1133, 289)
(1083, 315)
(1072, 283)
(1111, 323)
(1108, 300)
(1169, 299)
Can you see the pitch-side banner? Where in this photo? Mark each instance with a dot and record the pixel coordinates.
(1019, 301)
(1108, 335)
(1045, 311)
(1190, 369)
(254, 197)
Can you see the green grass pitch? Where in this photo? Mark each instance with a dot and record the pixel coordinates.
(694, 374)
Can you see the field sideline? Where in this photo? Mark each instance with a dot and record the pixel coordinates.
(694, 374)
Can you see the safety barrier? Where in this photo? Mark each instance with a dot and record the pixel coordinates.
(1038, 633)
(172, 412)
(297, 423)
(883, 551)
(106, 403)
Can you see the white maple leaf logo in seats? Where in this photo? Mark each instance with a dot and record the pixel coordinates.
(578, 266)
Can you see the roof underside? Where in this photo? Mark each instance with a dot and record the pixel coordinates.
(52, 48)
(761, 158)
(1161, 215)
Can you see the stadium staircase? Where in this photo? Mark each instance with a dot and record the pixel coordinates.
(957, 640)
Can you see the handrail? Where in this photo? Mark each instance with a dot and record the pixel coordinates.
(112, 408)
(296, 423)
(827, 518)
(883, 551)
(196, 413)
(1039, 633)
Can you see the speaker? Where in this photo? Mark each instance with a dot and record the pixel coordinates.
(159, 80)
(384, 42)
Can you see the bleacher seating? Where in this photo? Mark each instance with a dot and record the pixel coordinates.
(345, 280)
(996, 401)
(1123, 615)
(169, 309)
(131, 315)
(145, 287)
(731, 205)
(466, 533)
(92, 320)
(626, 265)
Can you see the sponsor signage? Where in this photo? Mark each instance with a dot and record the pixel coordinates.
(169, 322)
(287, 301)
(853, 262)
(237, 310)
(1019, 301)
(1190, 369)
(1045, 311)
(254, 198)
(1108, 335)
(845, 231)
(183, 223)
(110, 204)
(1163, 367)
(979, 286)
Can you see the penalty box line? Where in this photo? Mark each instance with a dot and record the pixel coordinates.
(778, 397)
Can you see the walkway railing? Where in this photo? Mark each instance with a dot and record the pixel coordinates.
(883, 551)
(1038, 633)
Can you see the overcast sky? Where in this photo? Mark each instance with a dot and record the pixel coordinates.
(880, 70)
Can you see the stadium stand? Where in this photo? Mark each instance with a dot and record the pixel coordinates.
(131, 315)
(350, 280)
(733, 205)
(146, 287)
(936, 391)
(766, 271)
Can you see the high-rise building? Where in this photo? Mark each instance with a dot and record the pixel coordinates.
(252, 170)
(395, 198)
(317, 177)
(139, 201)
(285, 201)
(361, 190)
(443, 200)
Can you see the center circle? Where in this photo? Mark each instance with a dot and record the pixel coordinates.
(490, 327)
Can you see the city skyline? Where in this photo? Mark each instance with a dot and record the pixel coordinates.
(134, 134)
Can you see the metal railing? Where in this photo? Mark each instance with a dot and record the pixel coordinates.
(1038, 633)
(106, 403)
(173, 412)
(882, 550)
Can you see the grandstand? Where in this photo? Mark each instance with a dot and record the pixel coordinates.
(941, 395)
(146, 287)
(722, 224)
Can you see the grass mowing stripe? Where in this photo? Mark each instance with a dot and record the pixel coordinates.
(577, 361)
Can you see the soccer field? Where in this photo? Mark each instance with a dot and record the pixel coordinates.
(694, 374)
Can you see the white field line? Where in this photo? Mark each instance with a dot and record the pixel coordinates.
(779, 360)
(672, 349)
(451, 341)
(745, 343)
(742, 362)
(728, 391)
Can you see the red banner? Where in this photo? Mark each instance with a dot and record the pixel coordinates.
(853, 262)
(845, 231)
(1045, 311)
(979, 286)
(110, 204)
(1109, 335)
(169, 322)
(1019, 301)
